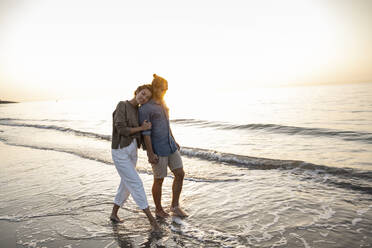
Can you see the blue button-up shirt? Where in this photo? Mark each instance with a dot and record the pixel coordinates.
(163, 143)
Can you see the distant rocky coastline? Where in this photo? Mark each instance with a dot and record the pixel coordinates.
(1, 102)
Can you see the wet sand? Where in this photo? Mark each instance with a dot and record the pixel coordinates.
(49, 202)
(56, 199)
(8, 237)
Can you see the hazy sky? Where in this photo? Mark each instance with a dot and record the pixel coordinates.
(68, 49)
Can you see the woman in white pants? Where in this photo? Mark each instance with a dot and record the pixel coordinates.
(126, 138)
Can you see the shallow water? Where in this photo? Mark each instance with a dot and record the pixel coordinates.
(63, 200)
(298, 174)
(323, 125)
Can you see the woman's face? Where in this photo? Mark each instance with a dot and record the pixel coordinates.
(143, 96)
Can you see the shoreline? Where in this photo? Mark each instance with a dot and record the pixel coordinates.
(62, 193)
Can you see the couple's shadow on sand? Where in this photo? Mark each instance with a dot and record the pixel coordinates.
(126, 237)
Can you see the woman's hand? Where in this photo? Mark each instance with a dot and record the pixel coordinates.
(146, 125)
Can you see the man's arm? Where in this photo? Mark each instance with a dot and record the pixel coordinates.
(178, 146)
(153, 158)
(120, 122)
(143, 115)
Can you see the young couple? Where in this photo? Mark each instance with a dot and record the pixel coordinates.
(146, 117)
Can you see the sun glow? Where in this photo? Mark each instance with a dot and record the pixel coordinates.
(64, 49)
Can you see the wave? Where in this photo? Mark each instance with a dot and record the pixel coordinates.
(340, 177)
(364, 137)
(205, 154)
(275, 128)
(18, 119)
(81, 154)
(62, 129)
(266, 163)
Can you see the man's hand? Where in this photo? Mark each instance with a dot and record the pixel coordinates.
(178, 146)
(153, 158)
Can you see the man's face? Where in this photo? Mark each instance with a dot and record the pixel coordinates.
(161, 90)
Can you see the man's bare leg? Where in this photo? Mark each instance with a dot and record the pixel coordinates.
(179, 174)
(156, 194)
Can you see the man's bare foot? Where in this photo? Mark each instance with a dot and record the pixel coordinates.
(115, 219)
(177, 211)
(161, 213)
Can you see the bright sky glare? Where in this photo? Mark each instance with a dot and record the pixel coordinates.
(75, 49)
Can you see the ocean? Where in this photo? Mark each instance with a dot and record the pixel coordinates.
(265, 167)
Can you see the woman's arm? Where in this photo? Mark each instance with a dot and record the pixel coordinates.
(120, 122)
(145, 126)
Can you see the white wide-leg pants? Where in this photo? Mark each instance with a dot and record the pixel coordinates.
(125, 160)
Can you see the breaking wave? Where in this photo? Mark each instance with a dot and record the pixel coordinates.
(275, 128)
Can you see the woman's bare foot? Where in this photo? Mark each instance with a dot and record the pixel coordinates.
(161, 213)
(115, 219)
(155, 227)
(177, 211)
